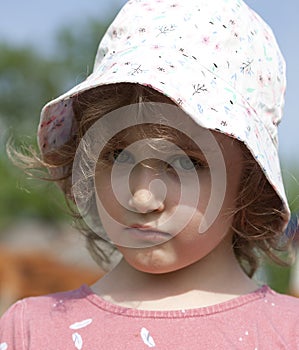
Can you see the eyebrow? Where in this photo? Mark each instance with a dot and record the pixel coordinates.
(167, 144)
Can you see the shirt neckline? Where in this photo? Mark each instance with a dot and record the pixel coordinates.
(236, 302)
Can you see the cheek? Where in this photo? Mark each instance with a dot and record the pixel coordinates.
(107, 202)
(193, 245)
(110, 189)
(190, 191)
(212, 217)
(234, 174)
(110, 213)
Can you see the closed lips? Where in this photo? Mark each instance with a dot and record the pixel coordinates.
(148, 233)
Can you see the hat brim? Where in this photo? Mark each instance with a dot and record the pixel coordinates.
(214, 106)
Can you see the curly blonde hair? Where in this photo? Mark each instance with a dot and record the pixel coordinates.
(259, 215)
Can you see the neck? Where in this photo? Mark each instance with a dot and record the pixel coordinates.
(213, 279)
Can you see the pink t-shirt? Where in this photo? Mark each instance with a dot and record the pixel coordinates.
(262, 320)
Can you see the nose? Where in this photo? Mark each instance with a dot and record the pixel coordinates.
(148, 191)
(144, 201)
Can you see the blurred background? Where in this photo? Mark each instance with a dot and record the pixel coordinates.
(46, 47)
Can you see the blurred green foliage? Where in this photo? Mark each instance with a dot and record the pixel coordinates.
(28, 79)
(278, 277)
(23, 198)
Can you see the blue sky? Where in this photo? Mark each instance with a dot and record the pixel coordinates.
(35, 22)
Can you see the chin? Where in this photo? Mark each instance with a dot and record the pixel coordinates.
(149, 263)
(154, 266)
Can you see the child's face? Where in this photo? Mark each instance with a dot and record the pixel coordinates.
(153, 195)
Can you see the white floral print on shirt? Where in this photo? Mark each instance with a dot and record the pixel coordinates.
(147, 338)
(76, 337)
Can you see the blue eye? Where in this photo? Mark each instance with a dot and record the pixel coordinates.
(122, 156)
(186, 163)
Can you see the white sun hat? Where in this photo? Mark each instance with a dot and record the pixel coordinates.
(217, 59)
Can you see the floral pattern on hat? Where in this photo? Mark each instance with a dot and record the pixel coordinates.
(217, 59)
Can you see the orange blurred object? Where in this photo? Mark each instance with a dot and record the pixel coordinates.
(24, 274)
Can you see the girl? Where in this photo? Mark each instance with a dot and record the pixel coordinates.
(169, 150)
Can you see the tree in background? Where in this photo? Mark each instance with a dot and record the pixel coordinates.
(28, 79)
(278, 277)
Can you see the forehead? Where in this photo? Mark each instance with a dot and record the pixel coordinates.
(192, 137)
(158, 122)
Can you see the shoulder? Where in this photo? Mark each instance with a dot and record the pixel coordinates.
(37, 317)
(283, 302)
(279, 313)
(56, 301)
(273, 304)
(40, 305)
